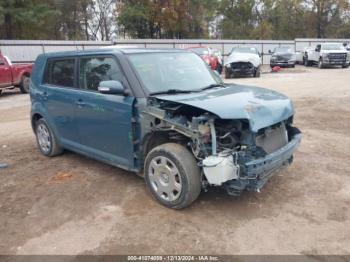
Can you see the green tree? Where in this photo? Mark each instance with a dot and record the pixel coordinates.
(30, 19)
(238, 18)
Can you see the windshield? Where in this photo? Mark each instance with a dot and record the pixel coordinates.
(283, 49)
(333, 47)
(250, 50)
(200, 50)
(165, 71)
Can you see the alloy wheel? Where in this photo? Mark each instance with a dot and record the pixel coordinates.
(44, 138)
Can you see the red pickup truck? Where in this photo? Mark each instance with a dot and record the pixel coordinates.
(14, 75)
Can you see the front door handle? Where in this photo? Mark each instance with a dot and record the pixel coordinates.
(44, 96)
(80, 103)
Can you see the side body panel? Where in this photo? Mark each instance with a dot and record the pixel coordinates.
(90, 123)
(5, 73)
(104, 124)
(18, 71)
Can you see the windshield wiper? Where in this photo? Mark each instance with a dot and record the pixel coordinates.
(213, 86)
(173, 91)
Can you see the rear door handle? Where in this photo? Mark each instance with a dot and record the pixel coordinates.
(80, 103)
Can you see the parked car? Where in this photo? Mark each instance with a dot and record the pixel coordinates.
(282, 56)
(162, 114)
(207, 54)
(328, 54)
(243, 61)
(218, 55)
(14, 75)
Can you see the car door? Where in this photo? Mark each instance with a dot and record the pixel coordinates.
(5, 73)
(58, 93)
(104, 120)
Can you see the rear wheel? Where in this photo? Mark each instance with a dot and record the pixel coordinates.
(46, 140)
(306, 61)
(219, 69)
(24, 85)
(172, 175)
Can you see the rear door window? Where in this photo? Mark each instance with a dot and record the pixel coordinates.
(93, 70)
(60, 72)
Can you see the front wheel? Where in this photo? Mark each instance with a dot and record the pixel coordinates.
(320, 63)
(227, 73)
(46, 140)
(172, 175)
(24, 85)
(257, 71)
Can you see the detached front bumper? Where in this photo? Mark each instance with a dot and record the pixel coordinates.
(282, 63)
(240, 68)
(255, 173)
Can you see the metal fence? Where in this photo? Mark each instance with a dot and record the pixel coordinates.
(27, 50)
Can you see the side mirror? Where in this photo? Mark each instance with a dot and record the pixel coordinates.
(111, 87)
(270, 52)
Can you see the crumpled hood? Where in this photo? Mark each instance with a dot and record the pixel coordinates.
(244, 57)
(261, 107)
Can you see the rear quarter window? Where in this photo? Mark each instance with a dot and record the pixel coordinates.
(60, 72)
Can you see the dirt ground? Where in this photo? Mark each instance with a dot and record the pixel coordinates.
(74, 205)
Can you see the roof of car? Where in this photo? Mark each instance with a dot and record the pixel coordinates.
(114, 50)
(197, 46)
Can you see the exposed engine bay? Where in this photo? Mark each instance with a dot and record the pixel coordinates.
(222, 147)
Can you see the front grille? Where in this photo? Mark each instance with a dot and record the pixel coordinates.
(241, 65)
(284, 58)
(272, 139)
(337, 56)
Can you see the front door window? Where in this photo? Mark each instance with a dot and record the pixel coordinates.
(97, 69)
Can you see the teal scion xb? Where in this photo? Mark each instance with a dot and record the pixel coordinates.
(165, 115)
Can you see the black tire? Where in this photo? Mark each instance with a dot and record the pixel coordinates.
(345, 66)
(257, 72)
(219, 69)
(320, 63)
(306, 61)
(188, 174)
(0, 92)
(24, 85)
(54, 149)
(227, 74)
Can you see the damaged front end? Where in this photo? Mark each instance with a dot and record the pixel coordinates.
(229, 152)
